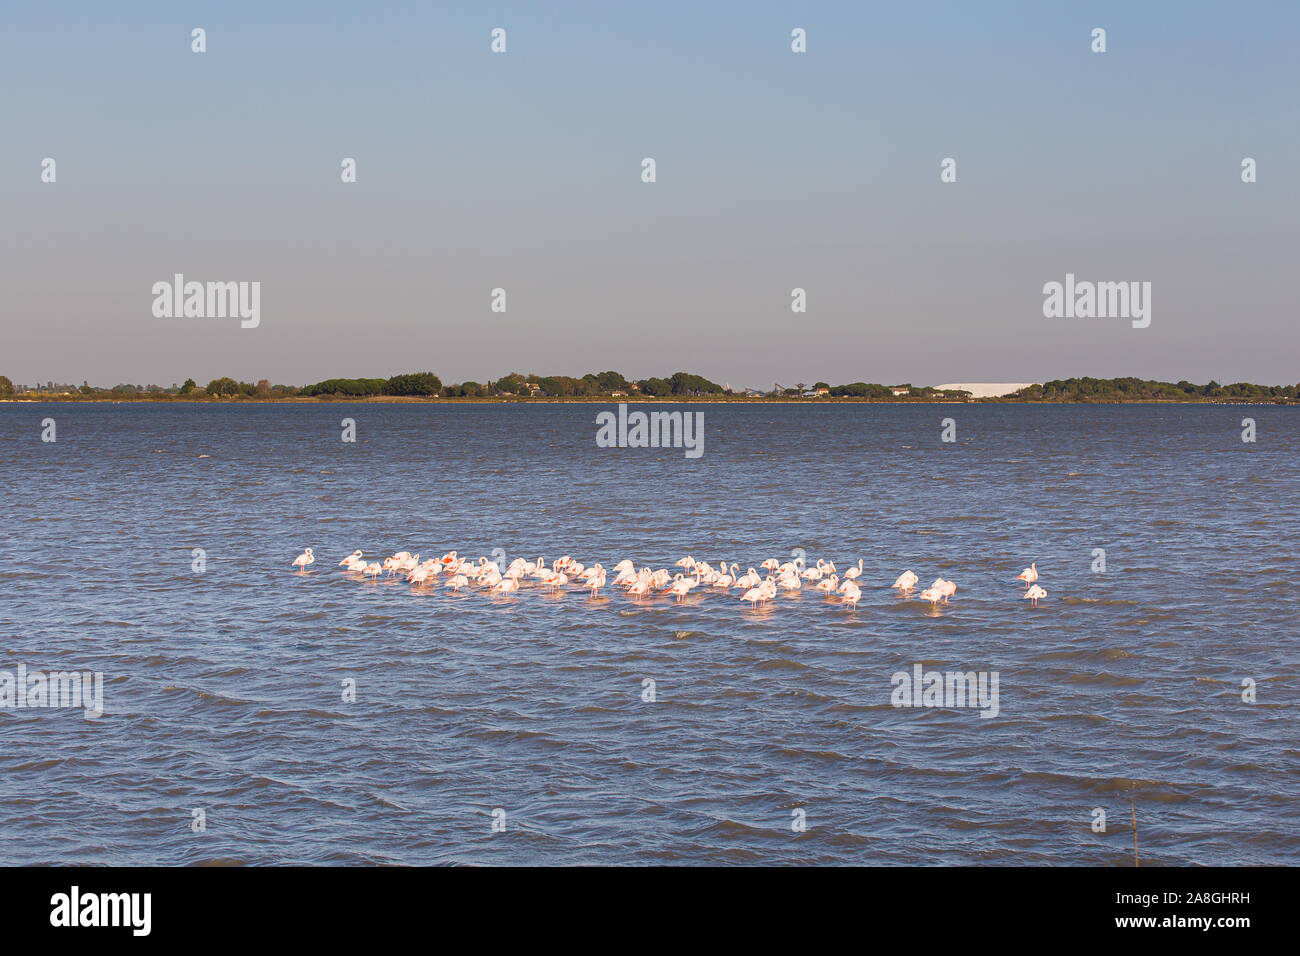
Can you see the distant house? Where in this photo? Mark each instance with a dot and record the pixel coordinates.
(821, 391)
(533, 388)
(618, 394)
(901, 390)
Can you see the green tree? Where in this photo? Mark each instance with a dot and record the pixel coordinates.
(611, 382)
(414, 383)
(222, 386)
(350, 387)
(684, 383)
(6, 386)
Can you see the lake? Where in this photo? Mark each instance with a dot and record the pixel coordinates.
(523, 729)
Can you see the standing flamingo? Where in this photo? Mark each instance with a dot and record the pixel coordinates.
(304, 559)
(906, 581)
(1033, 594)
(681, 587)
(1029, 575)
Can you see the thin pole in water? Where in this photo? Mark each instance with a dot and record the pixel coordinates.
(1133, 807)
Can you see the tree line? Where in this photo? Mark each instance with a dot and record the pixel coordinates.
(678, 385)
(1146, 390)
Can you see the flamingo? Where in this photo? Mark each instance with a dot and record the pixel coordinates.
(933, 595)
(687, 562)
(771, 564)
(304, 559)
(351, 558)
(906, 581)
(506, 586)
(457, 582)
(681, 587)
(1029, 575)
(727, 578)
(749, 579)
(1033, 594)
(828, 585)
(852, 573)
(639, 588)
(450, 558)
(946, 589)
(373, 569)
(596, 581)
(851, 594)
(753, 596)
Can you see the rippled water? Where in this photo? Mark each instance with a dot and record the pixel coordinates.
(223, 688)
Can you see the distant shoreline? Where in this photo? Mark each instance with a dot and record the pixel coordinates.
(639, 400)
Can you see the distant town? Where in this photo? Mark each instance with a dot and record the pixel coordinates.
(680, 386)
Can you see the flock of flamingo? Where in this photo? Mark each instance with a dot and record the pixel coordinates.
(756, 589)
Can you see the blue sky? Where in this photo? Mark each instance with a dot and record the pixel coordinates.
(775, 170)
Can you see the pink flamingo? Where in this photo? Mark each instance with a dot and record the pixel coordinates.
(906, 581)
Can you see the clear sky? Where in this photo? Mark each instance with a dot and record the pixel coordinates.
(775, 170)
